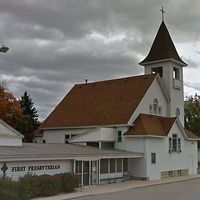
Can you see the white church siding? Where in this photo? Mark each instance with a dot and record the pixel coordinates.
(9, 136)
(175, 94)
(97, 134)
(121, 145)
(153, 92)
(10, 141)
(137, 167)
(58, 135)
(165, 161)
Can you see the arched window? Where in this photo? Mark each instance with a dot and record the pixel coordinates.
(155, 106)
(177, 112)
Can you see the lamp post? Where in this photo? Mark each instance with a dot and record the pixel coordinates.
(4, 49)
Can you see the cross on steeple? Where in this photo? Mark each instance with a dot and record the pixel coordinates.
(163, 12)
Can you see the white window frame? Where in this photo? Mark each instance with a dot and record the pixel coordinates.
(175, 144)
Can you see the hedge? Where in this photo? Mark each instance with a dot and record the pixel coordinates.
(32, 186)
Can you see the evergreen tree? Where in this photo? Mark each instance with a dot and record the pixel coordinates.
(27, 106)
(28, 122)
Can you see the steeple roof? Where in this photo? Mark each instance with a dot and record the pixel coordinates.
(162, 47)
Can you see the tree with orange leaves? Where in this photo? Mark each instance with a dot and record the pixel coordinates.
(9, 105)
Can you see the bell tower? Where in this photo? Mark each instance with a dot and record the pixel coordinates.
(164, 60)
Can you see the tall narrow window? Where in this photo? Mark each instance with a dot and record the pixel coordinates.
(198, 145)
(78, 166)
(104, 166)
(153, 158)
(119, 136)
(112, 165)
(174, 142)
(155, 106)
(119, 165)
(67, 138)
(176, 73)
(125, 164)
(150, 109)
(179, 145)
(160, 110)
(170, 144)
(177, 112)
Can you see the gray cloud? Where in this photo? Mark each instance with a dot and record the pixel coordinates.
(55, 44)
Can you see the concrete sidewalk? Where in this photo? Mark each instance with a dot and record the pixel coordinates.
(115, 187)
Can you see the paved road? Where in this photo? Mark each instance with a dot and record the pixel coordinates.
(184, 190)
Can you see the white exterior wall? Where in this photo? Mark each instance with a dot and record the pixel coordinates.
(58, 135)
(137, 166)
(166, 161)
(95, 135)
(153, 92)
(120, 145)
(10, 141)
(9, 136)
(65, 166)
(107, 134)
(176, 95)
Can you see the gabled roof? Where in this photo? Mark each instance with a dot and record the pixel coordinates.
(162, 48)
(151, 125)
(100, 103)
(7, 130)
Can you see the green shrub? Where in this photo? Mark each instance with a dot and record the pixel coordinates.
(8, 189)
(69, 182)
(32, 186)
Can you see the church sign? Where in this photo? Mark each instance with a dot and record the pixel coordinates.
(35, 168)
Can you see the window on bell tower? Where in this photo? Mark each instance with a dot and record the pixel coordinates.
(176, 73)
(157, 70)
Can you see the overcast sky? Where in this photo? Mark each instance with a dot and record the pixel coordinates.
(55, 44)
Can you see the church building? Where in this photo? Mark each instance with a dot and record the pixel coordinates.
(113, 130)
(143, 115)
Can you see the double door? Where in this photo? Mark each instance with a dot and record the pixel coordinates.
(87, 172)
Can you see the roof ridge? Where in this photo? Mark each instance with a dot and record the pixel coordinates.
(14, 131)
(116, 79)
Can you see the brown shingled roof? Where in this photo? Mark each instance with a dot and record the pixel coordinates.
(190, 134)
(162, 47)
(100, 103)
(151, 125)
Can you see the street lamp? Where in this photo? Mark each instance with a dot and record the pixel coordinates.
(4, 49)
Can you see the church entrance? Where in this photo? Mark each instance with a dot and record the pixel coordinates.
(87, 171)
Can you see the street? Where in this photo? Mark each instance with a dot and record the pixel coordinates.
(184, 190)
